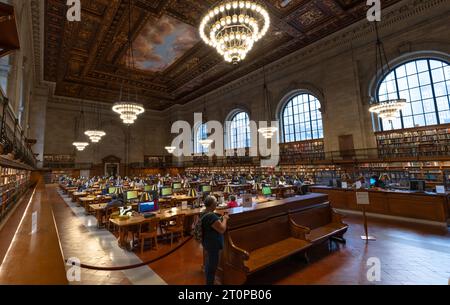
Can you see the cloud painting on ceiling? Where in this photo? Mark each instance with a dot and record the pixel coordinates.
(161, 43)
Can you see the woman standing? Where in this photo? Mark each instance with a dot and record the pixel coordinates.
(213, 228)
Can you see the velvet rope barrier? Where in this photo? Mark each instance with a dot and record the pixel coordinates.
(84, 266)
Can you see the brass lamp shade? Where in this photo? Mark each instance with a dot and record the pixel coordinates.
(192, 193)
(145, 197)
(228, 190)
(257, 186)
(154, 187)
(119, 191)
(213, 183)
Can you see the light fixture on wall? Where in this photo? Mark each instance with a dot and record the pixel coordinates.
(232, 27)
(388, 109)
(267, 132)
(128, 108)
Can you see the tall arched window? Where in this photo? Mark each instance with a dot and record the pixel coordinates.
(301, 119)
(425, 84)
(239, 131)
(201, 133)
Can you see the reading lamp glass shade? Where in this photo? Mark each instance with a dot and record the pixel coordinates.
(154, 187)
(228, 190)
(213, 183)
(145, 197)
(119, 191)
(186, 184)
(192, 193)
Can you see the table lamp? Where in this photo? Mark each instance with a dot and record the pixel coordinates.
(186, 184)
(154, 187)
(118, 191)
(228, 190)
(145, 197)
(192, 192)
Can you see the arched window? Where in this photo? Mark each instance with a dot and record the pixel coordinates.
(425, 84)
(239, 131)
(301, 119)
(201, 133)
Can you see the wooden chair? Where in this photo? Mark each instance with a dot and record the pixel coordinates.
(148, 230)
(175, 226)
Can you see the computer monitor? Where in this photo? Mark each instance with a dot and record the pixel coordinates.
(166, 191)
(131, 195)
(147, 188)
(206, 188)
(267, 191)
(146, 207)
(417, 185)
(177, 186)
(111, 190)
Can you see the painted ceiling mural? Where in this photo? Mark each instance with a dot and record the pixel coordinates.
(162, 42)
(86, 59)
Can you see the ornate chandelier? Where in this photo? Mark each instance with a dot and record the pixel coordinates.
(388, 109)
(95, 135)
(268, 132)
(128, 111)
(170, 149)
(80, 145)
(206, 143)
(232, 27)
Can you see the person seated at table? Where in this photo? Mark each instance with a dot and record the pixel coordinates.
(116, 202)
(233, 203)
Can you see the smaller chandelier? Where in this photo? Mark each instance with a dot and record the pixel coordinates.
(80, 145)
(388, 109)
(268, 132)
(170, 149)
(128, 111)
(206, 143)
(232, 27)
(95, 135)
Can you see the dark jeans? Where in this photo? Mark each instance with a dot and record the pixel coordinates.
(211, 264)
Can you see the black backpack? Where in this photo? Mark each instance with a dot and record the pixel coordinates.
(198, 229)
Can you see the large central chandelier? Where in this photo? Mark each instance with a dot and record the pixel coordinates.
(232, 27)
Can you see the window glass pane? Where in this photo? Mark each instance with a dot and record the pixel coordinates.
(408, 122)
(431, 118)
(444, 117)
(422, 65)
(411, 68)
(424, 78)
(413, 81)
(440, 89)
(435, 64)
(428, 106)
(442, 103)
(419, 120)
(438, 75)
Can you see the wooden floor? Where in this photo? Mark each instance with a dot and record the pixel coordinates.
(409, 254)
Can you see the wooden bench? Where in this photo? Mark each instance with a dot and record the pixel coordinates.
(321, 223)
(257, 246)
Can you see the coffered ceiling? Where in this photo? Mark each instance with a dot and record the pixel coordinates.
(87, 59)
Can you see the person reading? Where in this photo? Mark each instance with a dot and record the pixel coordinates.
(233, 203)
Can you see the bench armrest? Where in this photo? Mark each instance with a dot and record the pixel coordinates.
(297, 230)
(236, 251)
(337, 217)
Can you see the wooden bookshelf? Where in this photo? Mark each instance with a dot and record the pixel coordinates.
(431, 141)
(295, 152)
(13, 184)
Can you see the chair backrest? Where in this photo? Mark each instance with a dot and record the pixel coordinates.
(149, 226)
(315, 217)
(261, 234)
(179, 220)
